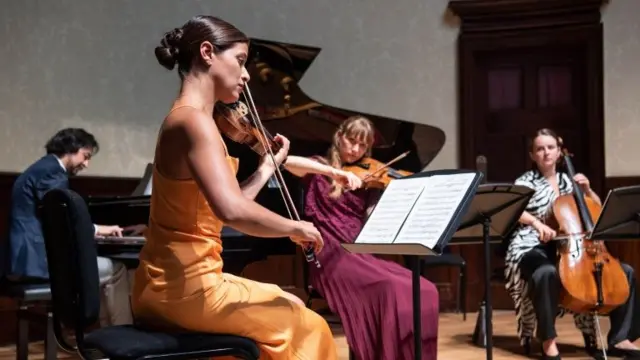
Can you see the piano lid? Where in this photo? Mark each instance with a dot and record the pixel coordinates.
(276, 69)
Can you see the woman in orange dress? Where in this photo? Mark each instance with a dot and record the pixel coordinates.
(180, 281)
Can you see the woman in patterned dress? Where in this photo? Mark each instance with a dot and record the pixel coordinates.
(532, 277)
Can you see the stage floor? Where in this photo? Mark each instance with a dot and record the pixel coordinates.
(454, 340)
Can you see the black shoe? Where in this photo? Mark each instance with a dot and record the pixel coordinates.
(544, 356)
(624, 353)
(549, 357)
(527, 345)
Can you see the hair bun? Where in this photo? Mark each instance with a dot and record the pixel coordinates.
(167, 53)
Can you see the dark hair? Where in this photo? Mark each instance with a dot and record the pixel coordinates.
(182, 45)
(70, 141)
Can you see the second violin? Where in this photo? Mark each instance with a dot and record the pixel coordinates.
(376, 174)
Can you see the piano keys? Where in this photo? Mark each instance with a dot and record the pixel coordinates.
(239, 250)
(275, 69)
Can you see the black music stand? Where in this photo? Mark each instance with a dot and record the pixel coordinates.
(493, 214)
(620, 216)
(414, 250)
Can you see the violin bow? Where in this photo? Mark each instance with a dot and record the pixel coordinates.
(396, 159)
(284, 191)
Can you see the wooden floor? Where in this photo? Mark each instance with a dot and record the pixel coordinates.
(454, 340)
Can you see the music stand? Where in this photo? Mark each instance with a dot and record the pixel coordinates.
(493, 214)
(414, 250)
(620, 216)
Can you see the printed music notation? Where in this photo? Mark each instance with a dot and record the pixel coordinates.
(391, 211)
(416, 210)
(434, 209)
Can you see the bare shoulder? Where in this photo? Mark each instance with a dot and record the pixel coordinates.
(189, 120)
(191, 126)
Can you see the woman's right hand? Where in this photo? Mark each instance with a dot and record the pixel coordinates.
(307, 234)
(546, 233)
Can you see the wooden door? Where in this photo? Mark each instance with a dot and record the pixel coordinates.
(522, 92)
(525, 65)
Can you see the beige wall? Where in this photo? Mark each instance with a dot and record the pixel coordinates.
(90, 63)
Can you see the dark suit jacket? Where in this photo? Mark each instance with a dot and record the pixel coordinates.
(26, 256)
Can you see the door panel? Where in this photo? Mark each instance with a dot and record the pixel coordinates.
(521, 93)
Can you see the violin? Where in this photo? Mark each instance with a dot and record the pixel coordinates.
(232, 120)
(241, 123)
(592, 279)
(375, 174)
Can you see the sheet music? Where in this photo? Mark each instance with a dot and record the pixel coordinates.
(434, 209)
(392, 208)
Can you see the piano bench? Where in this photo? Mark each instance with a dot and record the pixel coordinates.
(27, 295)
(126, 342)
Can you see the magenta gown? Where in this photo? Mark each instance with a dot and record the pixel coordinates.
(371, 296)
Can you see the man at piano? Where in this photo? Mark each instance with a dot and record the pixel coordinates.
(68, 152)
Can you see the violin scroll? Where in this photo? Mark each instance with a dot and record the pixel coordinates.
(233, 121)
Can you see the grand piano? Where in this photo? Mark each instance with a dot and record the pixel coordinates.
(276, 69)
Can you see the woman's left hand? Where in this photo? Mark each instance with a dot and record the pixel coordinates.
(583, 182)
(279, 156)
(347, 179)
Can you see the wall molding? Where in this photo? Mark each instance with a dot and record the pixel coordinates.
(506, 15)
(612, 182)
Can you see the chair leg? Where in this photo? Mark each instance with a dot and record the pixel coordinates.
(50, 344)
(22, 345)
(459, 292)
(463, 290)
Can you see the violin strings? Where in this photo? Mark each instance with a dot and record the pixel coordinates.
(398, 158)
(308, 251)
(262, 136)
(279, 176)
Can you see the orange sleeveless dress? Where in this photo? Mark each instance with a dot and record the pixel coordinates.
(180, 283)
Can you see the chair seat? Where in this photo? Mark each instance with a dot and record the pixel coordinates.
(26, 292)
(444, 259)
(128, 342)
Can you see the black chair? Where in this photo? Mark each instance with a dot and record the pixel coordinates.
(28, 296)
(451, 259)
(73, 271)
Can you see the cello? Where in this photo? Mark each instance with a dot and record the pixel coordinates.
(592, 279)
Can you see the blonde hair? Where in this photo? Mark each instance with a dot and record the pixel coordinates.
(358, 127)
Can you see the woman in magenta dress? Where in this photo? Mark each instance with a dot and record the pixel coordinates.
(371, 296)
